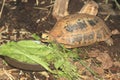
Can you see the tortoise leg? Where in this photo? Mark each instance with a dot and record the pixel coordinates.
(90, 7)
(60, 9)
(109, 41)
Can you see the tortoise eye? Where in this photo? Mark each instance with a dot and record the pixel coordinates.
(45, 36)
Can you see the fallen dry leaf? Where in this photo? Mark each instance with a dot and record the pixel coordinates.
(105, 59)
(98, 70)
(94, 53)
(115, 69)
(110, 76)
(117, 63)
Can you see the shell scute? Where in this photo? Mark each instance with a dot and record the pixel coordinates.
(92, 22)
(77, 38)
(74, 27)
(99, 35)
(82, 24)
(89, 36)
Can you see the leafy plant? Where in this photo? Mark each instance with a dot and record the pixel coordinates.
(35, 52)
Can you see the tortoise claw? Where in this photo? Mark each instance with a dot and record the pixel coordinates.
(109, 41)
(115, 32)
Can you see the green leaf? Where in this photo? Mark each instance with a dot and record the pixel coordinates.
(36, 37)
(58, 63)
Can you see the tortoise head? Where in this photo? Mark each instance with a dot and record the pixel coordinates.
(46, 37)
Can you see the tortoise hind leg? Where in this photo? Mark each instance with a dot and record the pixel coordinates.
(109, 41)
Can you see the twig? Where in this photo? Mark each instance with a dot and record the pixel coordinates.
(117, 4)
(46, 7)
(37, 2)
(40, 8)
(106, 18)
(9, 75)
(2, 8)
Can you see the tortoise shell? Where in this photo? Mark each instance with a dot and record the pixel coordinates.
(79, 30)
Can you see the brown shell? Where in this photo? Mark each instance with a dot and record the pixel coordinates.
(80, 30)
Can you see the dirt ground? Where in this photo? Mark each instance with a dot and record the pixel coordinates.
(21, 19)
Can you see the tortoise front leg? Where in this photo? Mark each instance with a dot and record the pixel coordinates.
(90, 7)
(60, 9)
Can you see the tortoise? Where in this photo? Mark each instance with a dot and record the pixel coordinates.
(79, 29)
